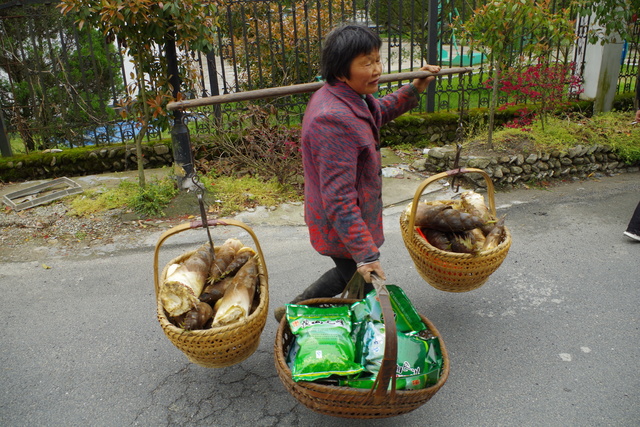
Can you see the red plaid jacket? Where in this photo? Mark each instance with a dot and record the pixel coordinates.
(342, 168)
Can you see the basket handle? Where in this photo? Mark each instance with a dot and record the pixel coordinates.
(262, 267)
(452, 172)
(387, 370)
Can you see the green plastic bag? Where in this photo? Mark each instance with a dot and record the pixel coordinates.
(407, 317)
(323, 342)
(419, 359)
(414, 382)
(411, 356)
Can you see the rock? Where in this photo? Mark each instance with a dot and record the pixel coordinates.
(574, 151)
(419, 165)
(478, 162)
(565, 161)
(440, 152)
(391, 172)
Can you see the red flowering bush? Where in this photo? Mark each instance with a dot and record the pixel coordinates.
(546, 85)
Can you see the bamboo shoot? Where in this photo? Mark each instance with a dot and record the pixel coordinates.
(225, 255)
(236, 302)
(184, 282)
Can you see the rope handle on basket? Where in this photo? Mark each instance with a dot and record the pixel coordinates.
(452, 172)
(388, 367)
(262, 267)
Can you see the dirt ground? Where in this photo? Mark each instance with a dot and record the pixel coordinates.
(50, 230)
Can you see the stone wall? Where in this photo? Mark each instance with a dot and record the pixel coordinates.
(77, 162)
(506, 170)
(579, 162)
(419, 132)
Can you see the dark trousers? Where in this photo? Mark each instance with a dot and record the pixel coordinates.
(634, 224)
(332, 282)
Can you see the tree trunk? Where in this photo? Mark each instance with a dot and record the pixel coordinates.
(494, 102)
(145, 121)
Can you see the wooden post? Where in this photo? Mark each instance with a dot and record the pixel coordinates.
(275, 92)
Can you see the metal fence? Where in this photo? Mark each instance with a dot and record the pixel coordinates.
(60, 86)
(630, 61)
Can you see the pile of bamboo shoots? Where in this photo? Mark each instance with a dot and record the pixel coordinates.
(462, 226)
(211, 288)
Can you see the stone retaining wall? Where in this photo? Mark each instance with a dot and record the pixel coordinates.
(55, 164)
(418, 132)
(579, 162)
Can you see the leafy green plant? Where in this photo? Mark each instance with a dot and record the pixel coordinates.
(612, 17)
(40, 81)
(151, 199)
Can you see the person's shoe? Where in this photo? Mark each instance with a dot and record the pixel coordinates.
(279, 312)
(634, 236)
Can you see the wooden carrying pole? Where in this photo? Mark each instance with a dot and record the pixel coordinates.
(300, 88)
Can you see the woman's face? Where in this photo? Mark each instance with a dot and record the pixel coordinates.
(365, 72)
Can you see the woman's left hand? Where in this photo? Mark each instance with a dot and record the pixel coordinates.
(421, 84)
(374, 267)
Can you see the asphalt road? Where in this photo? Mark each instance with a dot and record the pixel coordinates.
(550, 340)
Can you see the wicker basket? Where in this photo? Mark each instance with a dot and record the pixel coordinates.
(222, 346)
(449, 271)
(381, 401)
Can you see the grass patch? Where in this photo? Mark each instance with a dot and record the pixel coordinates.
(229, 195)
(618, 132)
(226, 196)
(612, 130)
(99, 200)
(148, 201)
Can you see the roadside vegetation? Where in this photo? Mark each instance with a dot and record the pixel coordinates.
(255, 159)
(149, 200)
(613, 129)
(232, 184)
(224, 196)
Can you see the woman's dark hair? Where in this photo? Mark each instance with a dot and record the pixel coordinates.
(341, 46)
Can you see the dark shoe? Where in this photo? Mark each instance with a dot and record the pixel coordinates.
(279, 312)
(632, 235)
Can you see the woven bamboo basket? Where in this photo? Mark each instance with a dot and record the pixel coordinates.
(449, 271)
(383, 400)
(221, 346)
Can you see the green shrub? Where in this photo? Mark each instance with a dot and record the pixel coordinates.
(151, 199)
